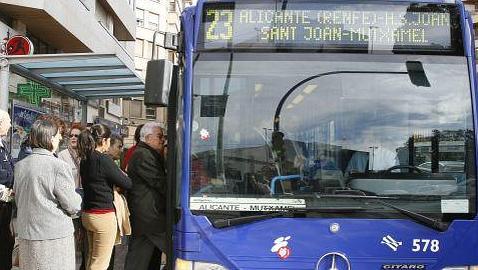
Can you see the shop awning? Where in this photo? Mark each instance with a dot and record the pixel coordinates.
(82, 76)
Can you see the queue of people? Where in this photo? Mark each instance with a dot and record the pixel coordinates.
(79, 200)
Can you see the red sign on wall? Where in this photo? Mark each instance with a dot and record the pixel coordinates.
(19, 45)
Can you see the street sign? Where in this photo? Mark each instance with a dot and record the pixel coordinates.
(19, 45)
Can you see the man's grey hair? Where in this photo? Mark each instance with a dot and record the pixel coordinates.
(148, 129)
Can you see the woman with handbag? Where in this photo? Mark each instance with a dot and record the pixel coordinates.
(121, 207)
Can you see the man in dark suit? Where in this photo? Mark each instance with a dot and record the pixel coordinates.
(147, 198)
(6, 180)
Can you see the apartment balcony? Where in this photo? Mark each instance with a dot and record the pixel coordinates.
(73, 26)
(124, 18)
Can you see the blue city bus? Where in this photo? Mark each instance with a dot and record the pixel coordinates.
(321, 135)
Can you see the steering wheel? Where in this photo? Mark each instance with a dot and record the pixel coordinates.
(409, 167)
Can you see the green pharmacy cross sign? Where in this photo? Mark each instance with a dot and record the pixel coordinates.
(33, 91)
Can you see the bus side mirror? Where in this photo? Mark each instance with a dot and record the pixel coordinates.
(158, 82)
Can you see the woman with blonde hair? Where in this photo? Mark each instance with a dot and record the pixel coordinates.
(70, 156)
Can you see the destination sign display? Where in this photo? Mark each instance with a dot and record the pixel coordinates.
(322, 26)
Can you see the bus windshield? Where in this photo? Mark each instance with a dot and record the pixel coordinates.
(301, 124)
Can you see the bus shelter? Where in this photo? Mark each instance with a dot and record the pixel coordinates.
(82, 76)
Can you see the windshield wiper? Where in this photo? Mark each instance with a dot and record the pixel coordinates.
(228, 222)
(419, 218)
(414, 197)
(424, 220)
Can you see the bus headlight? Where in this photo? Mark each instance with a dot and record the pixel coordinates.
(470, 267)
(190, 265)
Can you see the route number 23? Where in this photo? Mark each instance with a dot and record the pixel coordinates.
(423, 245)
(225, 29)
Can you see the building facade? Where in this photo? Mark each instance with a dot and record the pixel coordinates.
(66, 27)
(152, 16)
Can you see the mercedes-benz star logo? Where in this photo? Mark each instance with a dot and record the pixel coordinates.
(333, 261)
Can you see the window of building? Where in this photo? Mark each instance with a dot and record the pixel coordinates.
(172, 6)
(158, 52)
(147, 49)
(153, 21)
(171, 56)
(150, 113)
(138, 49)
(136, 108)
(140, 17)
(173, 27)
(117, 101)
